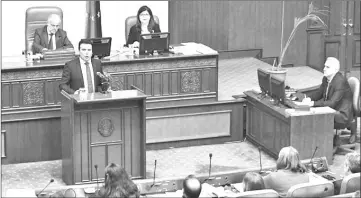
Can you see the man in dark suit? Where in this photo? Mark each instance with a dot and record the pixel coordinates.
(82, 72)
(50, 37)
(334, 92)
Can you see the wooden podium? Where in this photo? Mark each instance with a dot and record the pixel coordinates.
(98, 129)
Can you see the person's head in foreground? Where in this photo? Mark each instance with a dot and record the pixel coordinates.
(192, 187)
(54, 21)
(289, 159)
(253, 181)
(118, 183)
(332, 66)
(352, 163)
(145, 18)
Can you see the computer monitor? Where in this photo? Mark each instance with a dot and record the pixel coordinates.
(277, 89)
(148, 43)
(264, 81)
(101, 46)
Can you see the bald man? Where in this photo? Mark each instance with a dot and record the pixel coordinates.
(192, 187)
(50, 37)
(334, 92)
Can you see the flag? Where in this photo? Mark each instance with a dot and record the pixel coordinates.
(93, 28)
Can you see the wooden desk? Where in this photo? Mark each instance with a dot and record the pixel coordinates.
(274, 127)
(97, 129)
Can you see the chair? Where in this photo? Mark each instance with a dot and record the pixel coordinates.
(350, 183)
(132, 20)
(349, 195)
(317, 189)
(37, 17)
(260, 193)
(355, 88)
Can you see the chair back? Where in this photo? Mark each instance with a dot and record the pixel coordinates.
(260, 193)
(316, 189)
(37, 17)
(355, 88)
(349, 195)
(132, 20)
(350, 183)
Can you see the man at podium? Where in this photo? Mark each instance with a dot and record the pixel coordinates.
(81, 72)
(50, 37)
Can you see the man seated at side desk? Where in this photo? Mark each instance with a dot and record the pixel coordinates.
(50, 37)
(334, 92)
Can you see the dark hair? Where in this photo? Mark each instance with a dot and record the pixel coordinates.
(84, 41)
(151, 23)
(253, 181)
(192, 187)
(117, 183)
(289, 159)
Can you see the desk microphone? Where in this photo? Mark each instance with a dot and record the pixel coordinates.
(260, 160)
(155, 167)
(51, 181)
(311, 160)
(96, 172)
(210, 168)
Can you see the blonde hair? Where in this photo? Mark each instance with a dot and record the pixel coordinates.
(352, 161)
(289, 159)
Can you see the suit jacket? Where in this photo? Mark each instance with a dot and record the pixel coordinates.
(134, 33)
(339, 97)
(41, 39)
(72, 78)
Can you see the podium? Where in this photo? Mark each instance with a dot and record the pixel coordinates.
(98, 129)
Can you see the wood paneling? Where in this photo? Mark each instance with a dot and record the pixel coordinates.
(234, 25)
(29, 141)
(197, 124)
(315, 56)
(200, 21)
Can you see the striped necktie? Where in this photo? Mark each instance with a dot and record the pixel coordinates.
(89, 77)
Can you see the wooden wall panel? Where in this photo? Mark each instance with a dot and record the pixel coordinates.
(199, 21)
(36, 140)
(315, 56)
(235, 25)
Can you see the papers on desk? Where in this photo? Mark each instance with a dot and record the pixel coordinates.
(192, 48)
(313, 110)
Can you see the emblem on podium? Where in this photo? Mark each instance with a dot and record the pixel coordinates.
(105, 127)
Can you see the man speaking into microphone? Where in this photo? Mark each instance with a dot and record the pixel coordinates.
(81, 72)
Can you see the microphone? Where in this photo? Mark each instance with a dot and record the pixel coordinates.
(210, 165)
(155, 167)
(96, 172)
(51, 181)
(311, 160)
(260, 160)
(210, 168)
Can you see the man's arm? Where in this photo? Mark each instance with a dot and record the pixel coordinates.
(318, 94)
(335, 98)
(37, 47)
(65, 80)
(67, 43)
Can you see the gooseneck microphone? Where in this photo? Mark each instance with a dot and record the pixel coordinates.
(51, 181)
(96, 172)
(260, 160)
(155, 167)
(311, 160)
(210, 165)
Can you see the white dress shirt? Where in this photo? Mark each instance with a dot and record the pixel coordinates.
(83, 71)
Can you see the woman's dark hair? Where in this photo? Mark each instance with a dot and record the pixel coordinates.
(253, 181)
(117, 183)
(151, 23)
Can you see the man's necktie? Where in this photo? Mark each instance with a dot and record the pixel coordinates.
(89, 77)
(50, 45)
(328, 84)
